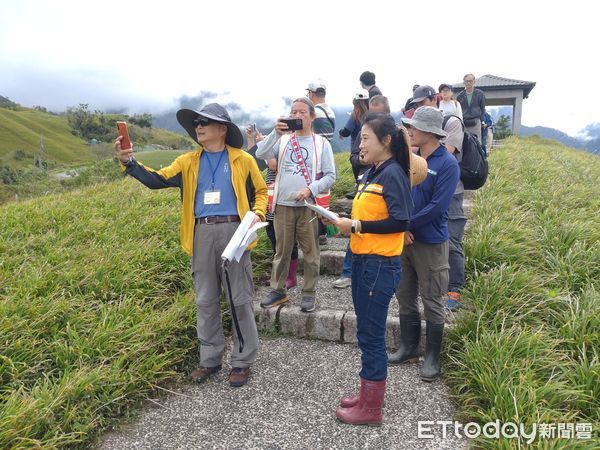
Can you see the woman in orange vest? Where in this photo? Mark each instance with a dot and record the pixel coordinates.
(380, 215)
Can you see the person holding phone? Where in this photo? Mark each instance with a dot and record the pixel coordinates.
(305, 169)
(380, 215)
(214, 180)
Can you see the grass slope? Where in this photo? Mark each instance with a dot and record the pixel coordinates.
(528, 348)
(96, 309)
(21, 130)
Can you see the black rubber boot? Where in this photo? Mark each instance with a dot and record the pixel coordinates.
(410, 334)
(433, 345)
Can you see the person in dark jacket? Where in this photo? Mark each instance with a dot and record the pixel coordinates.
(425, 257)
(367, 81)
(472, 102)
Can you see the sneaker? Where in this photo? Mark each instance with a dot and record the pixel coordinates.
(342, 283)
(323, 240)
(273, 299)
(453, 303)
(203, 373)
(239, 376)
(307, 304)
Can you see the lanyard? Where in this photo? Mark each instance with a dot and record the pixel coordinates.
(213, 171)
(301, 162)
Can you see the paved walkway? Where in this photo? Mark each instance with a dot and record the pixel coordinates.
(295, 387)
(289, 404)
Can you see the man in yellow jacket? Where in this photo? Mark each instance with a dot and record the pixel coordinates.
(220, 183)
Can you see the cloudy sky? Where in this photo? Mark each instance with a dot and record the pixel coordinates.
(143, 56)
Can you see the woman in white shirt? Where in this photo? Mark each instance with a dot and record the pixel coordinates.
(447, 104)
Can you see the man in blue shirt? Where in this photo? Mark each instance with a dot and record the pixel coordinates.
(425, 256)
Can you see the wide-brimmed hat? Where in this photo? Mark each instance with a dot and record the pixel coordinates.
(427, 119)
(418, 164)
(212, 111)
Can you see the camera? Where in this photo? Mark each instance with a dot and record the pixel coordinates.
(292, 124)
(253, 128)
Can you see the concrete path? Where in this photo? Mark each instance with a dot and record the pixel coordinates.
(289, 404)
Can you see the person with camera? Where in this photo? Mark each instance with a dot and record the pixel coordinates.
(305, 170)
(380, 217)
(254, 136)
(472, 102)
(214, 181)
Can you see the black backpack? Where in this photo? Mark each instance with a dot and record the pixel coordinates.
(474, 164)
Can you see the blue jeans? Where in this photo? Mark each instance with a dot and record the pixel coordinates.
(347, 267)
(374, 280)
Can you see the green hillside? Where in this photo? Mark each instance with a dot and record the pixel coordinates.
(21, 130)
(96, 302)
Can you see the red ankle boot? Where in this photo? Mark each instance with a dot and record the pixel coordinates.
(367, 411)
(291, 280)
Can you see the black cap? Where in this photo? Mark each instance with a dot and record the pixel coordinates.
(421, 93)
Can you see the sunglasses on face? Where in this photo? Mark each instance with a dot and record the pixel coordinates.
(202, 122)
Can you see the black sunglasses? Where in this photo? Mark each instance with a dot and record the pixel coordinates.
(202, 121)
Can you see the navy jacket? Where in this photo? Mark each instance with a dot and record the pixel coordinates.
(477, 108)
(431, 198)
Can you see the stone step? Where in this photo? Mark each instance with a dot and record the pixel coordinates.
(332, 261)
(333, 319)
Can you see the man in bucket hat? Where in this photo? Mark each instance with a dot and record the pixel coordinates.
(220, 183)
(425, 257)
(452, 125)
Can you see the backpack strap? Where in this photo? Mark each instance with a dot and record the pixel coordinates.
(447, 118)
(326, 115)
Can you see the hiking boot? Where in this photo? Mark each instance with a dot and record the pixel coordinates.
(273, 299)
(342, 283)
(307, 304)
(433, 345)
(453, 301)
(203, 373)
(410, 335)
(323, 240)
(239, 376)
(291, 280)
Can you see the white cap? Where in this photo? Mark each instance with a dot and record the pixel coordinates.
(362, 94)
(316, 85)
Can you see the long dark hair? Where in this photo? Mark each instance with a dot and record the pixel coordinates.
(361, 107)
(384, 125)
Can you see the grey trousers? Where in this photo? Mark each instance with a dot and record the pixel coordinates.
(209, 282)
(424, 271)
(294, 223)
(456, 228)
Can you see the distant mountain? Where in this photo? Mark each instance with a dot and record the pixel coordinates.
(592, 132)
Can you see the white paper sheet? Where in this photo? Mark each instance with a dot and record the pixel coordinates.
(323, 212)
(242, 237)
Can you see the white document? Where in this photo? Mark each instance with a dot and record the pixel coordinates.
(322, 211)
(242, 237)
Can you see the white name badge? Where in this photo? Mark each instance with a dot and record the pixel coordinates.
(212, 197)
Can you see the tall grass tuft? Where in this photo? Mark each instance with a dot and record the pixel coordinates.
(528, 347)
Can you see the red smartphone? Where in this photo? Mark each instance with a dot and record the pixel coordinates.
(122, 128)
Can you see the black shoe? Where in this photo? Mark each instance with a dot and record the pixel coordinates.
(433, 346)
(410, 335)
(350, 195)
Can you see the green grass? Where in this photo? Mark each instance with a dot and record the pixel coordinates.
(96, 310)
(158, 158)
(21, 130)
(528, 349)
